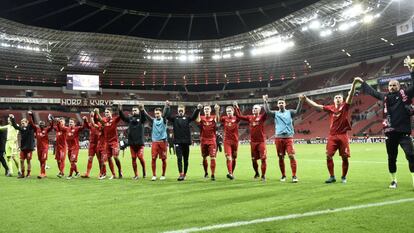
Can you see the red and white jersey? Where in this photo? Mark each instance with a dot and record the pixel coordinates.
(72, 137)
(231, 128)
(42, 135)
(208, 129)
(339, 118)
(256, 125)
(60, 138)
(110, 129)
(93, 134)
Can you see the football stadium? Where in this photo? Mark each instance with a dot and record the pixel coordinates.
(206, 116)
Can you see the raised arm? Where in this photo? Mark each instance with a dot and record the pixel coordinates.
(122, 115)
(217, 112)
(298, 109)
(238, 113)
(410, 64)
(166, 109)
(31, 119)
(267, 107)
(98, 116)
(313, 104)
(351, 92)
(196, 113)
(148, 116)
(369, 90)
(13, 122)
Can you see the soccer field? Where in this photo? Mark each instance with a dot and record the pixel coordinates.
(126, 205)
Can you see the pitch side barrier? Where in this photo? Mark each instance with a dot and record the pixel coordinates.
(85, 102)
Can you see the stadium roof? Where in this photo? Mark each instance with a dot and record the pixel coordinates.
(323, 35)
(157, 19)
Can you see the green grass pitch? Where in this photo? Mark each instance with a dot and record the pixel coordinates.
(91, 205)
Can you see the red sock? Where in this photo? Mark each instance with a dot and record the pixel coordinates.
(111, 166)
(154, 166)
(59, 166)
(282, 166)
(293, 166)
(205, 165)
(233, 165)
(255, 166)
(62, 166)
(164, 166)
(134, 166)
(345, 165)
(264, 166)
(71, 170)
(43, 168)
(230, 166)
(330, 165)
(103, 169)
(89, 167)
(213, 166)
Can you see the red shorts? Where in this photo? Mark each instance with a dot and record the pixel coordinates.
(258, 150)
(73, 155)
(42, 155)
(338, 142)
(112, 150)
(284, 146)
(137, 151)
(230, 149)
(209, 150)
(26, 154)
(159, 149)
(92, 150)
(60, 155)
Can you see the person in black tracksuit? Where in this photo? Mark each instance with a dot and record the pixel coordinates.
(136, 136)
(397, 122)
(27, 144)
(182, 135)
(3, 137)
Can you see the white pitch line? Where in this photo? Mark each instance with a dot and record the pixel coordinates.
(291, 216)
(350, 160)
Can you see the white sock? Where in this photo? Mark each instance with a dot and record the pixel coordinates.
(394, 176)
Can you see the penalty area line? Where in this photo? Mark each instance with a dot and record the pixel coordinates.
(291, 216)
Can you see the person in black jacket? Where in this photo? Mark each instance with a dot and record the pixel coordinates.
(397, 122)
(27, 143)
(135, 136)
(3, 137)
(182, 135)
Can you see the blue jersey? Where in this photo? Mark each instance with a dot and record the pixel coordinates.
(284, 124)
(159, 129)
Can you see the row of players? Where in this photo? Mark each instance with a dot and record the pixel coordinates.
(104, 139)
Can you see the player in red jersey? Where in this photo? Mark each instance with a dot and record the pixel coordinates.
(338, 127)
(231, 139)
(257, 137)
(72, 141)
(94, 133)
(110, 124)
(42, 142)
(60, 149)
(101, 148)
(208, 124)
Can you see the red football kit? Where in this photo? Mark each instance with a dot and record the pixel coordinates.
(257, 139)
(42, 144)
(231, 140)
(338, 138)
